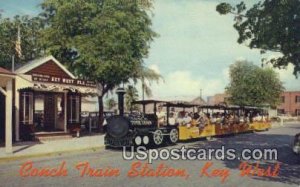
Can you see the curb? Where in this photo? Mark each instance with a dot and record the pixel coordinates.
(48, 154)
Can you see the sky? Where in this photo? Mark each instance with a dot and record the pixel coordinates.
(194, 49)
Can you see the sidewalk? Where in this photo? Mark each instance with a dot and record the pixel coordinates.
(55, 147)
(283, 124)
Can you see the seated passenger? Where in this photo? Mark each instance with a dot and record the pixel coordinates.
(203, 120)
(231, 119)
(242, 119)
(218, 118)
(172, 120)
(187, 120)
(180, 118)
(257, 117)
(195, 119)
(213, 119)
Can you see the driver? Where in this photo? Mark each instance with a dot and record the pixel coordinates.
(161, 115)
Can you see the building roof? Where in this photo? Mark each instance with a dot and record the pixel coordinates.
(198, 101)
(5, 71)
(35, 63)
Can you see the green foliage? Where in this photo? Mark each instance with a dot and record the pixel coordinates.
(251, 85)
(130, 96)
(30, 31)
(111, 103)
(224, 8)
(146, 75)
(269, 25)
(104, 41)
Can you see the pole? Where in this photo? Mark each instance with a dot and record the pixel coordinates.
(13, 63)
(200, 96)
(143, 89)
(90, 123)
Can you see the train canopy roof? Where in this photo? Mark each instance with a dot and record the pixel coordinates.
(146, 102)
(180, 104)
(221, 107)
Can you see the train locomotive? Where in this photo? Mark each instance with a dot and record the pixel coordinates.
(138, 129)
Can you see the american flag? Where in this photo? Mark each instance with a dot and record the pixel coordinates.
(18, 44)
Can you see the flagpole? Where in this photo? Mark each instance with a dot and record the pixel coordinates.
(17, 49)
(13, 63)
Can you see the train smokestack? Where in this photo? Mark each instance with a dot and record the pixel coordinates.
(121, 92)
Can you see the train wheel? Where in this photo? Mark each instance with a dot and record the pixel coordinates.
(145, 140)
(137, 141)
(158, 137)
(173, 136)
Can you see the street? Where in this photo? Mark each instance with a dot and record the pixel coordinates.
(279, 138)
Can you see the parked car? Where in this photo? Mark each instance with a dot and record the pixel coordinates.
(296, 144)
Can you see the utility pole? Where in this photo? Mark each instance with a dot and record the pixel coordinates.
(200, 93)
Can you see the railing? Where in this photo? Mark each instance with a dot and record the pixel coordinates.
(89, 121)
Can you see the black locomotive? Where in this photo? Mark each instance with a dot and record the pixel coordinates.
(138, 129)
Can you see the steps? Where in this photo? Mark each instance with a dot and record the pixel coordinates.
(50, 136)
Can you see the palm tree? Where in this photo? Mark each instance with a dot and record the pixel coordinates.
(147, 75)
(130, 96)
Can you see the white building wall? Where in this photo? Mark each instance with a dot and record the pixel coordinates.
(22, 81)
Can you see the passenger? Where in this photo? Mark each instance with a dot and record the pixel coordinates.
(213, 118)
(203, 120)
(257, 117)
(218, 118)
(242, 119)
(161, 115)
(187, 120)
(230, 118)
(172, 120)
(180, 118)
(196, 119)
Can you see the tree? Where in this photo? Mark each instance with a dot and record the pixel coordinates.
(111, 103)
(269, 25)
(103, 41)
(130, 96)
(146, 75)
(30, 29)
(251, 85)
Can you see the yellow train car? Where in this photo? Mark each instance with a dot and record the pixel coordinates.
(194, 121)
(259, 120)
(260, 125)
(193, 132)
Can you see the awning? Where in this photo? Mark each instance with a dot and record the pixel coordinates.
(61, 88)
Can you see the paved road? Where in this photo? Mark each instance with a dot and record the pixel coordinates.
(280, 138)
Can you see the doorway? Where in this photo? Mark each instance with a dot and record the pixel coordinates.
(49, 112)
(2, 117)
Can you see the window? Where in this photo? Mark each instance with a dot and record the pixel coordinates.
(297, 112)
(297, 99)
(282, 99)
(26, 108)
(280, 111)
(74, 109)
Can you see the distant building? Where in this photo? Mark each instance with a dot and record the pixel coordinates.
(89, 104)
(217, 99)
(198, 101)
(290, 103)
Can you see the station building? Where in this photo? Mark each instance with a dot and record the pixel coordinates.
(40, 97)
